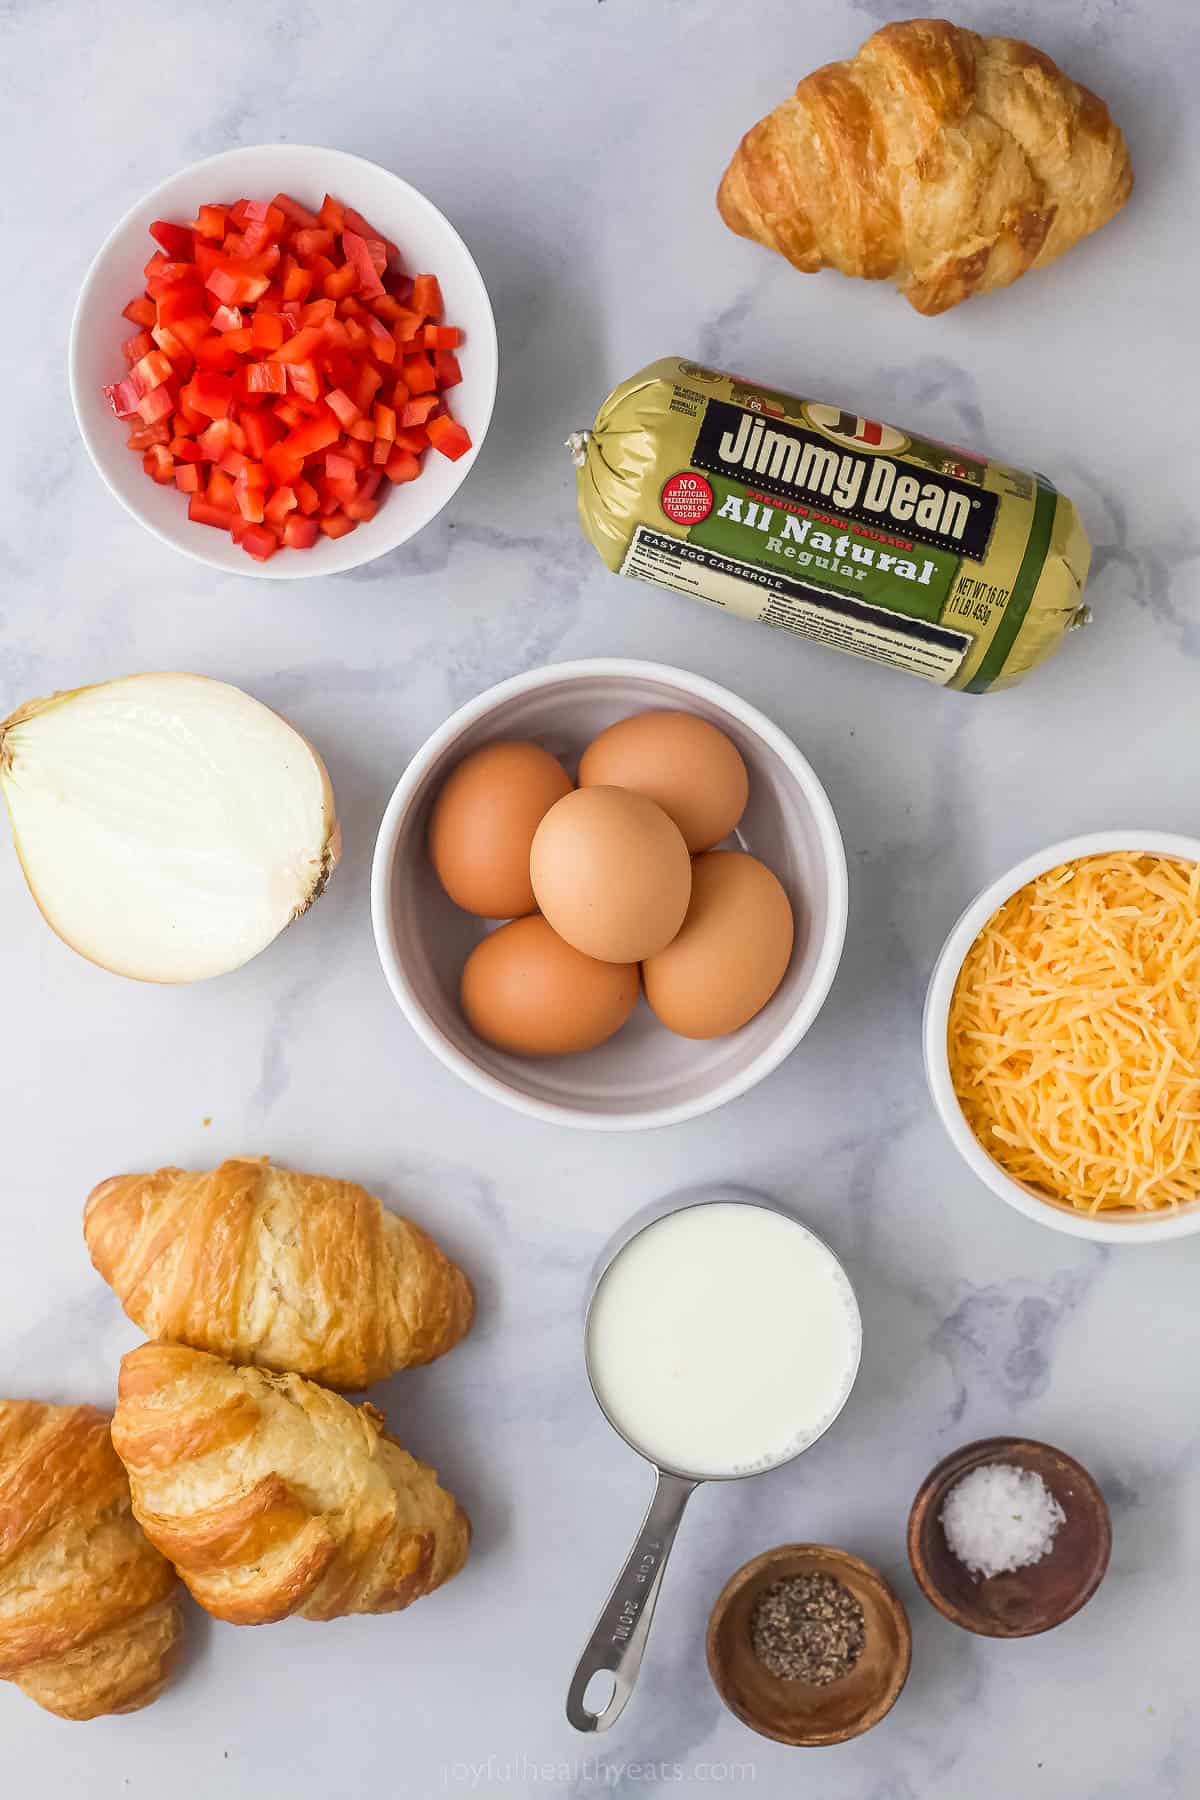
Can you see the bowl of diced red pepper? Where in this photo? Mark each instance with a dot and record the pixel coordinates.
(283, 361)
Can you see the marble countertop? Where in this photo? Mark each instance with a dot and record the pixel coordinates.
(577, 147)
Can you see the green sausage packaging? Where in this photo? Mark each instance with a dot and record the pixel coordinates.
(853, 533)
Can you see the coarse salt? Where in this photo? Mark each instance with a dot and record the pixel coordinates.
(999, 1518)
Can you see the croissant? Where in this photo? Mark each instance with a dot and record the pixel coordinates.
(89, 1610)
(298, 1273)
(273, 1496)
(944, 161)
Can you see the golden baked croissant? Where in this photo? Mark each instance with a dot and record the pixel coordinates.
(298, 1273)
(273, 1496)
(947, 162)
(89, 1610)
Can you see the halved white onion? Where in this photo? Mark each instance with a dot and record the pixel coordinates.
(169, 826)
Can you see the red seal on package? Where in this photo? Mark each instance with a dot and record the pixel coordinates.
(686, 499)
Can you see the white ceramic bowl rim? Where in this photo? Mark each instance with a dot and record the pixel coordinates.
(367, 546)
(833, 851)
(1059, 1216)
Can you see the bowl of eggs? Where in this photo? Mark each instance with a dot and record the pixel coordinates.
(609, 894)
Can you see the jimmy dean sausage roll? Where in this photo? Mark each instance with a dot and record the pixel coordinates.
(856, 534)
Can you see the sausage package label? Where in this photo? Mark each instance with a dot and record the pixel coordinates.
(842, 529)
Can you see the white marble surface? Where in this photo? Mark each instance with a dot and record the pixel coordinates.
(577, 146)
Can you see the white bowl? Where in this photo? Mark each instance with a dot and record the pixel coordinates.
(428, 243)
(644, 1076)
(1116, 1227)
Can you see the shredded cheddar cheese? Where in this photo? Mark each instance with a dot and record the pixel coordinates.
(1074, 1033)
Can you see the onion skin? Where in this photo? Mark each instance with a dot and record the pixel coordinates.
(327, 862)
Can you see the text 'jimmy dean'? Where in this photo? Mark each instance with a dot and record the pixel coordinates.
(933, 508)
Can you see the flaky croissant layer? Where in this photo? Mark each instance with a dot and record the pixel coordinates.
(89, 1611)
(299, 1273)
(273, 1496)
(946, 162)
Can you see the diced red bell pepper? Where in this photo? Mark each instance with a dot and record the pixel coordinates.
(313, 241)
(237, 284)
(369, 383)
(336, 524)
(418, 411)
(300, 377)
(159, 464)
(358, 256)
(420, 376)
(210, 222)
(342, 406)
(300, 533)
(269, 377)
(340, 281)
(187, 478)
(362, 431)
(361, 510)
(216, 351)
(297, 283)
(446, 368)
(402, 465)
(228, 318)
(123, 397)
(266, 331)
(301, 348)
(249, 501)
(181, 306)
(442, 337)
(137, 346)
(220, 491)
(316, 434)
(141, 311)
(201, 511)
(284, 467)
(157, 403)
(427, 296)
(143, 436)
(333, 213)
(307, 497)
(448, 436)
(162, 274)
(296, 215)
(338, 467)
(209, 392)
(406, 329)
(262, 430)
(260, 542)
(176, 240)
(383, 344)
(318, 312)
(217, 440)
(281, 503)
(414, 438)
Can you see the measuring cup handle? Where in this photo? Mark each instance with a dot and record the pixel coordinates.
(619, 1640)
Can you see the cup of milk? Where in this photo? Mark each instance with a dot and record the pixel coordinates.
(722, 1339)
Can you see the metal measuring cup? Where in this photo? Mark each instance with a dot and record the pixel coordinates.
(618, 1642)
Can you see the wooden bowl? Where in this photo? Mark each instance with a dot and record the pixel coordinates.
(792, 1712)
(1028, 1600)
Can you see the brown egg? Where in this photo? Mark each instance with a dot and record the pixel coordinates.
(483, 822)
(694, 772)
(611, 873)
(732, 953)
(527, 992)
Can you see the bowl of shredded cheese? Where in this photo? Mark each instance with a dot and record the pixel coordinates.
(1062, 1036)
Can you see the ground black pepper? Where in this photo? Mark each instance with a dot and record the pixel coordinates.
(808, 1628)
